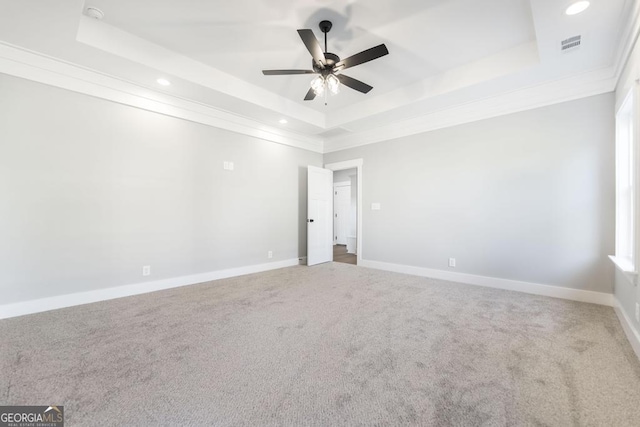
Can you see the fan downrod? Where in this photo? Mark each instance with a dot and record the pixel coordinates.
(331, 59)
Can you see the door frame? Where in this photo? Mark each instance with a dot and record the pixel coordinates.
(351, 164)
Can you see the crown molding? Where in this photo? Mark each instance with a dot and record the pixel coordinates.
(628, 37)
(504, 63)
(567, 89)
(41, 68)
(113, 40)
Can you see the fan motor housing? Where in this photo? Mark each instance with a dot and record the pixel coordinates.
(331, 59)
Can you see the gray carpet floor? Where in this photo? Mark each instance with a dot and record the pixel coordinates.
(332, 344)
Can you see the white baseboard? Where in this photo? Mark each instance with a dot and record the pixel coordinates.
(69, 300)
(629, 329)
(492, 282)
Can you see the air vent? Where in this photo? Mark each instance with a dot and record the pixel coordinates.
(571, 43)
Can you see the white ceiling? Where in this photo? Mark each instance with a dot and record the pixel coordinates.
(443, 53)
(243, 37)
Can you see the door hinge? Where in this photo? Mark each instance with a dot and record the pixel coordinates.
(336, 215)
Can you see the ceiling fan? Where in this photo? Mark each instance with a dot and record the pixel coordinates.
(329, 65)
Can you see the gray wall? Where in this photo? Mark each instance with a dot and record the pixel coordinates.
(93, 190)
(626, 292)
(528, 196)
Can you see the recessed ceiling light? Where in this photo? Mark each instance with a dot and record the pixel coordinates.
(283, 121)
(163, 82)
(577, 7)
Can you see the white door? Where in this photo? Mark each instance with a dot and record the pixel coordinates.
(319, 215)
(341, 208)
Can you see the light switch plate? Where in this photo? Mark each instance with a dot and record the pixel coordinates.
(375, 206)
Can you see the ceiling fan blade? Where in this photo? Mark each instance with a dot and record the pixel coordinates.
(310, 95)
(362, 57)
(314, 48)
(285, 72)
(354, 84)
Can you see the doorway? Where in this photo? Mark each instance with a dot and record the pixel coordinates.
(320, 215)
(345, 216)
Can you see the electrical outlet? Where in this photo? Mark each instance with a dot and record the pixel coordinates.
(146, 270)
(270, 254)
(637, 312)
(228, 166)
(452, 262)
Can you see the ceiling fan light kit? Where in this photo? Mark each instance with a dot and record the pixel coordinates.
(329, 66)
(322, 85)
(333, 84)
(317, 85)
